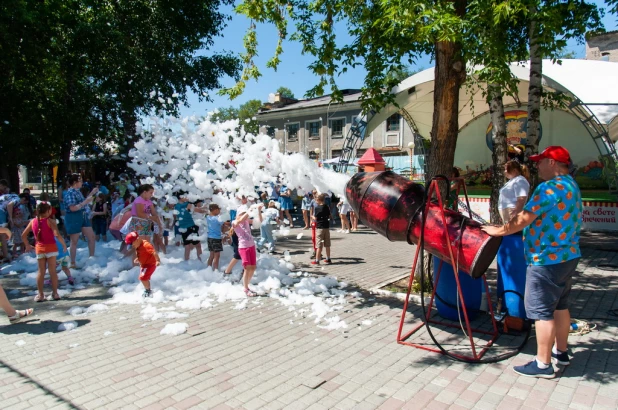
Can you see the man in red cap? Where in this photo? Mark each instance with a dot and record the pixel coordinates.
(147, 258)
(551, 222)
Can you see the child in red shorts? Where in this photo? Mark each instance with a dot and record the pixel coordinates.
(147, 258)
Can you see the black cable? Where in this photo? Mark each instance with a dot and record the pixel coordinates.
(495, 359)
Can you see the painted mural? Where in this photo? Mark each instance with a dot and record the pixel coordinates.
(516, 129)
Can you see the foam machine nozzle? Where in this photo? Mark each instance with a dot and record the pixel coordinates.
(393, 206)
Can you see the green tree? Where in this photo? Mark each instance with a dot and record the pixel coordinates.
(500, 38)
(225, 114)
(397, 75)
(551, 24)
(285, 92)
(386, 37)
(247, 113)
(564, 54)
(47, 98)
(96, 66)
(151, 54)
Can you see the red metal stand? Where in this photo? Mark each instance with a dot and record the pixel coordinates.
(401, 339)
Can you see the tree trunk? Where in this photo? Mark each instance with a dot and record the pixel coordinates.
(128, 124)
(498, 156)
(65, 158)
(450, 73)
(535, 89)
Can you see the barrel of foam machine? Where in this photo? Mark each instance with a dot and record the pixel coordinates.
(448, 303)
(511, 283)
(393, 207)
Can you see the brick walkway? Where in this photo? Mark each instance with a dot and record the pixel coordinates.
(264, 357)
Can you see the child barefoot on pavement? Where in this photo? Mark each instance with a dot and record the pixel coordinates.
(147, 258)
(45, 234)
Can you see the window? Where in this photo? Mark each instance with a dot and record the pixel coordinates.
(336, 127)
(270, 131)
(392, 123)
(314, 129)
(293, 131)
(392, 139)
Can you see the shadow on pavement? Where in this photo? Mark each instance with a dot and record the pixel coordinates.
(48, 392)
(36, 327)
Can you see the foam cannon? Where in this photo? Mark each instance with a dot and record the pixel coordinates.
(393, 206)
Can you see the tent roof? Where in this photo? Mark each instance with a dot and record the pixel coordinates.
(415, 94)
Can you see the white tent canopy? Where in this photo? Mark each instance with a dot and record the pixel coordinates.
(592, 82)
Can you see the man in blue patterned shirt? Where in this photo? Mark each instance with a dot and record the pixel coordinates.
(551, 223)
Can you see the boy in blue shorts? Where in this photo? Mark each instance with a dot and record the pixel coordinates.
(215, 243)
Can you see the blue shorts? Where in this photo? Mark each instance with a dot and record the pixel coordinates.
(286, 203)
(548, 288)
(75, 221)
(235, 246)
(99, 225)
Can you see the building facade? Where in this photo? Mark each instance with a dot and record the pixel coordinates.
(317, 127)
(603, 47)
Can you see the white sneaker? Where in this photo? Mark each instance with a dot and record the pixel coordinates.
(346, 231)
(339, 230)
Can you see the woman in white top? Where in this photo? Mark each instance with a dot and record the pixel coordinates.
(514, 193)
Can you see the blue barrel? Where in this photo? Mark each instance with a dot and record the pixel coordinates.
(446, 289)
(512, 275)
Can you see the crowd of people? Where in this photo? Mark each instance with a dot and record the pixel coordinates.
(143, 225)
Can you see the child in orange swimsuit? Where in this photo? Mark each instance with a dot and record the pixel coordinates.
(147, 258)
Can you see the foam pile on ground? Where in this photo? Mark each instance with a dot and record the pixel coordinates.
(190, 285)
(151, 312)
(80, 311)
(66, 326)
(174, 329)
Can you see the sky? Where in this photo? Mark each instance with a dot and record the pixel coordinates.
(293, 72)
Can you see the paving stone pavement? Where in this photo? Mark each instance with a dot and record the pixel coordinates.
(264, 357)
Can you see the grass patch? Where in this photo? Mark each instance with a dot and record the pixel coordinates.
(401, 286)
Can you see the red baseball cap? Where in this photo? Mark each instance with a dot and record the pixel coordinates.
(555, 152)
(130, 238)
